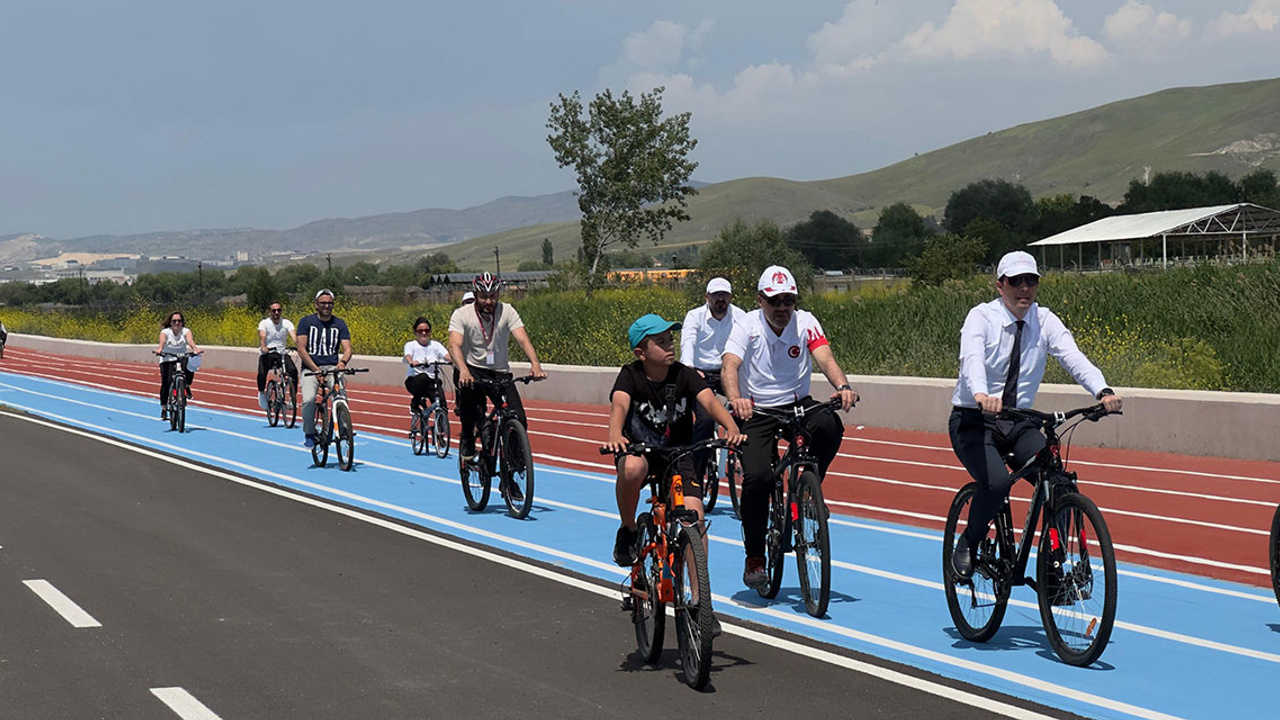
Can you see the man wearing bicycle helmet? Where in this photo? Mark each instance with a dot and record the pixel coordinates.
(324, 343)
(1003, 348)
(768, 361)
(478, 338)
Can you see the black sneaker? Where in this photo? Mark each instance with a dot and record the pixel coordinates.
(962, 559)
(513, 491)
(624, 547)
(755, 576)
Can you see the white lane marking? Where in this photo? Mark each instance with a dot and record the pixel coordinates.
(184, 704)
(64, 605)
(870, 508)
(551, 574)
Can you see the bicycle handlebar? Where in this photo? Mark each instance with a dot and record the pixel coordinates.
(177, 355)
(1092, 413)
(499, 382)
(336, 371)
(639, 449)
(798, 412)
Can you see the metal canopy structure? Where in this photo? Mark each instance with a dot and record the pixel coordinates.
(1218, 222)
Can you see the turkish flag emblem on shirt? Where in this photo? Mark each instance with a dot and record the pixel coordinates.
(794, 351)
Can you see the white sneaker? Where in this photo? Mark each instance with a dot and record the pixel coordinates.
(262, 400)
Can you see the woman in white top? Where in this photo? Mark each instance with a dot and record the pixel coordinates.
(175, 337)
(423, 378)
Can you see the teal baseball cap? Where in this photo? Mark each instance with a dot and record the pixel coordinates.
(647, 325)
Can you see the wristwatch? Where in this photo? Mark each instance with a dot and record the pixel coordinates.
(1105, 392)
(844, 387)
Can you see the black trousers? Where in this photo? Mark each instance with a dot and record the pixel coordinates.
(981, 443)
(166, 378)
(703, 426)
(422, 387)
(471, 405)
(825, 430)
(266, 361)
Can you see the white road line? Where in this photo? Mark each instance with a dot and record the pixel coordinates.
(184, 704)
(64, 606)
(903, 679)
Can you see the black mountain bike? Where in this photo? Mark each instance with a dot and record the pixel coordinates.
(671, 568)
(1275, 554)
(723, 463)
(175, 405)
(282, 391)
(1075, 562)
(504, 452)
(429, 427)
(333, 418)
(797, 512)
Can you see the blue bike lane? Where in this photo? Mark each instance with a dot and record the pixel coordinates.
(1183, 646)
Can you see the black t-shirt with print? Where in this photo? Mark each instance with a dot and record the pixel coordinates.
(647, 419)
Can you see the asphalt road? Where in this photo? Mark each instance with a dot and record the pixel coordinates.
(260, 606)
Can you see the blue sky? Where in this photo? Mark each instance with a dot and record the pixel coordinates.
(129, 116)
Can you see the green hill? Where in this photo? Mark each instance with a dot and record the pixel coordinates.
(1229, 128)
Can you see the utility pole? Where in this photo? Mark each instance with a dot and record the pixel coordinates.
(328, 259)
(497, 262)
(200, 272)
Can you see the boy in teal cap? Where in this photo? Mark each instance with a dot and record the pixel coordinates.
(652, 403)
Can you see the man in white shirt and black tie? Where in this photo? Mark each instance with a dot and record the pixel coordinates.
(1003, 348)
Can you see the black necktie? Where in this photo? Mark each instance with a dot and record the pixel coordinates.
(1010, 397)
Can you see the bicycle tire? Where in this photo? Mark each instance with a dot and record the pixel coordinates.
(1077, 623)
(977, 605)
(515, 463)
(320, 450)
(290, 402)
(693, 619)
(345, 439)
(711, 481)
(775, 552)
(1275, 554)
(733, 476)
(475, 477)
(180, 416)
(418, 432)
(440, 430)
(273, 403)
(172, 406)
(648, 612)
(812, 545)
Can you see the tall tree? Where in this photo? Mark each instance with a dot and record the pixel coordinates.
(741, 252)
(998, 200)
(632, 166)
(899, 233)
(548, 253)
(827, 241)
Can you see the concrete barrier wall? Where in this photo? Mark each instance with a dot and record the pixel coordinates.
(1220, 424)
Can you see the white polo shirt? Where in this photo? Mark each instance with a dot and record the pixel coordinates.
(277, 335)
(702, 336)
(986, 342)
(775, 368)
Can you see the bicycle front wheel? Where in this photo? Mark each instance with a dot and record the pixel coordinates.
(439, 427)
(711, 481)
(977, 604)
(1077, 580)
(648, 611)
(733, 476)
(516, 469)
(418, 431)
(775, 542)
(1275, 553)
(179, 417)
(274, 401)
(475, 478)
(812, 544)
(320, 451)
(692, 605)
(290, 402)
(344, 436)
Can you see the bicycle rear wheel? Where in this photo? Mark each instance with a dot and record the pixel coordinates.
(320, 451)
(812, 544)
(1275, 553)
(775, 542)
(273, 403)
(692, 605)
(345, 437)
(418, 432)
(648, 612)
(711, 481)
(1076, 580)
(977, 605)
(439, 427)
(516, 469)
(290, 402)
(733, 476)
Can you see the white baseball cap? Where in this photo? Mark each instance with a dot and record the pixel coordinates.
(719, 284)
(1016, 263)
(467, 297)
(776, 280)
(325, 291)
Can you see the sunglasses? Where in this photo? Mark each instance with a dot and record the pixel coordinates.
(176, 321)
(325, 304)
(274, 309)
(1019, 280)
(423, 331)
(777, 300)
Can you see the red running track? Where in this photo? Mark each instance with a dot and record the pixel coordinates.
(1206, 516)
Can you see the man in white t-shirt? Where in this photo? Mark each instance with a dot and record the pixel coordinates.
(422, 378)
(274, 334)
(768, 359)
(704, 332)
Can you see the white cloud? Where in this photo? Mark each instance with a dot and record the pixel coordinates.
(664, 46)
(1001, 28)
(1262, 16)
(1140, 21)
(862, 31)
